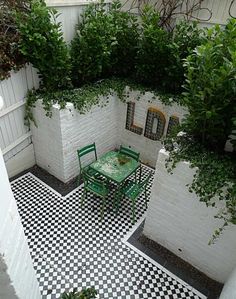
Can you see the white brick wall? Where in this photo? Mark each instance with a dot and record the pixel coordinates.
(148, 148)
(13, 244)
(47, 140)
(57, 139)
(229, 290)
(99, 125)
(177, 220)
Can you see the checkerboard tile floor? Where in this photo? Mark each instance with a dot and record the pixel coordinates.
(71, 247)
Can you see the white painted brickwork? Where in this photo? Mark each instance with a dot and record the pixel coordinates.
(148, 148)
(13, 244)
(176, 219)
(47, 139)
(100, 125)
(229, 290)
(57, 139)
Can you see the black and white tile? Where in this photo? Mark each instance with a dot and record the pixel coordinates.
(71, 247)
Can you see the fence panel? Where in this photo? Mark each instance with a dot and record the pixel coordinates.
(14, 135)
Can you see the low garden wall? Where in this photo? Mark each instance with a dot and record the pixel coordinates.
(177, 220)
(57, 139)
(16, 266)
(229, 290)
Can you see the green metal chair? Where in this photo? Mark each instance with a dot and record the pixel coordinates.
(132, 190)
(95, 186)
(85, 151)
(128, 152)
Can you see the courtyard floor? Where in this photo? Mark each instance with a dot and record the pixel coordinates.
(72, 248)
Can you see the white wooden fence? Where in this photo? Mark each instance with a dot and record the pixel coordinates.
(14, 135)
(219, 9)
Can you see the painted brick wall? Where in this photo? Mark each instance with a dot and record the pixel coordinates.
(177, 220)
(13, 244)
(99, 125)
(56, 139)
(47, 140)
(229, 290)
(148, 148)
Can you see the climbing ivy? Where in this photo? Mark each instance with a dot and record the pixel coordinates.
(91, 94)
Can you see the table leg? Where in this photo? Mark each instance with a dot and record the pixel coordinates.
(117, 199)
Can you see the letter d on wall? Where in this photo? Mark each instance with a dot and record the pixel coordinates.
(154, 132)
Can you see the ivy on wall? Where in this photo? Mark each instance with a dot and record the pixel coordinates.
(85, 97)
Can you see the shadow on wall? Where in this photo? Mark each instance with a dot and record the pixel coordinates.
(6, 289)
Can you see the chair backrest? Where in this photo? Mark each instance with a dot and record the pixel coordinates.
(127, 151)
(86, 150)
(88, 180)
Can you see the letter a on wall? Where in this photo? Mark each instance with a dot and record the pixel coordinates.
(130, 119)
(155, 124)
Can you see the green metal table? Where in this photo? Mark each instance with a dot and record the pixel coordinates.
(116, 167)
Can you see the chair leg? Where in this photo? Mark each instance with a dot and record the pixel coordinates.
(140, 173)
(102, 208)
(79, 178)
(117, 200)
(146, 197)
(83, 197)
(133, 211)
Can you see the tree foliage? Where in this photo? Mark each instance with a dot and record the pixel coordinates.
(161, 53)
(10, 56)
(210, 88)
(210, 98)
(105, 43)
(42, 44)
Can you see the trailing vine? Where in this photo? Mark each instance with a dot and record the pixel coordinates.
(214, 179)
(91, 94)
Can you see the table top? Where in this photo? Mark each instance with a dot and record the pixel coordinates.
(115, 166)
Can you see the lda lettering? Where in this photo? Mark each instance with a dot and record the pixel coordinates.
(155, 122)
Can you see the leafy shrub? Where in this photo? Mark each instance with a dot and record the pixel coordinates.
(127, 33)
(186, 37)
(42, 44)
(211, 88)
(89, 293)
(210, 97)
(105, 43)
(10, 56)
(153, 54)
(161, 53)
